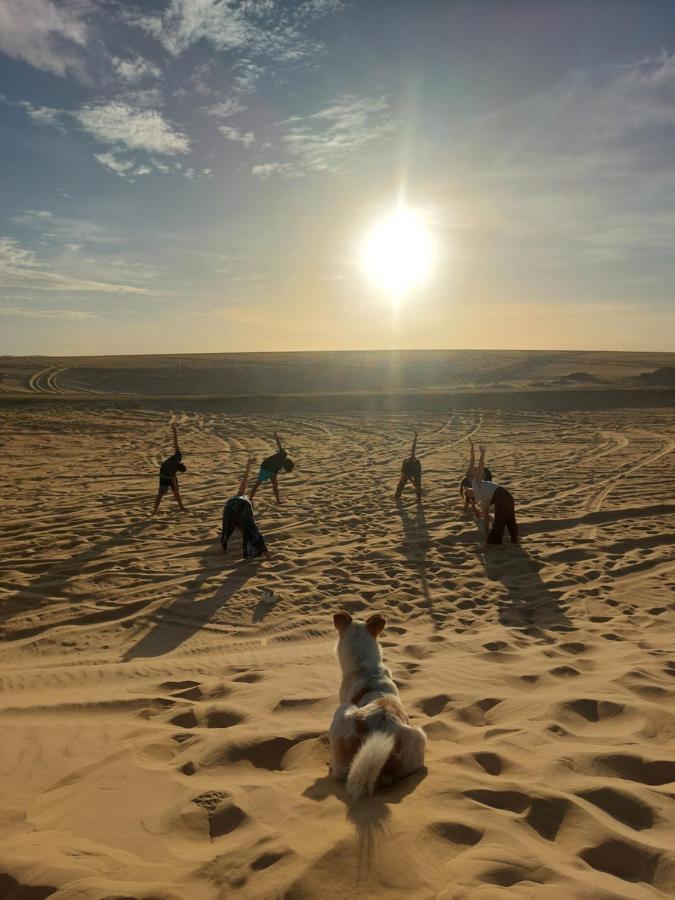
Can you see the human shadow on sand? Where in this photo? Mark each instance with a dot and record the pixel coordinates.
(416, 541)
(53, 583)
(178, 621)
(369, 815)
(529, 604)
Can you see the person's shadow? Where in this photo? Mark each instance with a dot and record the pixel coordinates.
(529, 603)
(54, 582)
(416, 542)
(175, 623)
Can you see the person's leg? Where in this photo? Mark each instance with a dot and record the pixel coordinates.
(512, 525)
(176, 494)
(418, 486)
(255, 487)
(275, 488)
(401, 484)
(501, 508)
(158, 500)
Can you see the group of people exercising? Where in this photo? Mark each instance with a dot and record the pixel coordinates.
(476, 488)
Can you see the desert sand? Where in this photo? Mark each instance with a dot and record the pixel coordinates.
(165, 707)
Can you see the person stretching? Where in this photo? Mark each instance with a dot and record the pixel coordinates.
(270, 468)
(238, 513)
(486, 494)
(465, 483)
(167, 474)
(411, 470)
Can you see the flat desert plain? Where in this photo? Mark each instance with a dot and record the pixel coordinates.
(165, 706)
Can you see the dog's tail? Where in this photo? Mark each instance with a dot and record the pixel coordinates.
(368, 763)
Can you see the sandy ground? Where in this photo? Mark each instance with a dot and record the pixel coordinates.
(164, 726)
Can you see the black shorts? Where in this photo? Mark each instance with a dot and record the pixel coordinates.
(164, 484)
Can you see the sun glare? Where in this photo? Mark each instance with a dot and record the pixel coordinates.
(398, 254)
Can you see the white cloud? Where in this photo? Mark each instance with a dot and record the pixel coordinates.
(246, 138)
(330, 139)
(230, 106)
(113, 163)
(20, 268)
(22, 312)
(126, 168)
(266, 170)
(65, 229)
(134, 70)
(42, 115)
(118, 123)
(44, 34)
(269, 27)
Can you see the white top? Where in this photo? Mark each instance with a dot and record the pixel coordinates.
(483, 491)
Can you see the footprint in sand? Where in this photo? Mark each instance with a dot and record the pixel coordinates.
(629, 861)
(621, 806)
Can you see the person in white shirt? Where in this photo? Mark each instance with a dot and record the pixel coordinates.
(466, 482)
(486, 494)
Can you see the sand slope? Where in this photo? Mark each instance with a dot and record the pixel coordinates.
(164, 727)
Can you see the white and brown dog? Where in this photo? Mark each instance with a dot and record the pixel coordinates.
(372, 743)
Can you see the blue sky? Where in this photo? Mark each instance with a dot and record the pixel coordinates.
(197, 175)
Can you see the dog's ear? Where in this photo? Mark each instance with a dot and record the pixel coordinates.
(375, 625)
(341, 620)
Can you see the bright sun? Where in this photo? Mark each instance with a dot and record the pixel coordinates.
(398, 253)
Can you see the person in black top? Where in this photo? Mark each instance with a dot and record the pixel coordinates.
(411, 470)
(270, 468)
(238, 513)
(168, 474)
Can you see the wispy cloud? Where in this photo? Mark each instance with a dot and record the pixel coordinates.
(65, 229)
(331, 139)
(23, 312)
(266, 170)
(47, 35)
(125, 168)
(270, 27)
(119, 123)
(223, 109)
(247, 138)
(134, 70)
(21, 268)
(42, 115)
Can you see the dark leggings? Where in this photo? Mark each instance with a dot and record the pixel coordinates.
(505, 517)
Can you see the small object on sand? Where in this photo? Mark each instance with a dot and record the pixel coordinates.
(269, 598)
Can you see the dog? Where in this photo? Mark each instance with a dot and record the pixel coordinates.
(372, 743)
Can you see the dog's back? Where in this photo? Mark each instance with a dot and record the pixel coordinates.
(372, 743)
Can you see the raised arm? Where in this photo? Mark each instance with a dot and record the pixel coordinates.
(472, 464)
(276, 438)
(175, 439)
(480, 471)
(414, 446)
(244, 479)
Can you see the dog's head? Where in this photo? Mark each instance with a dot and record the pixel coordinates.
(357, 645)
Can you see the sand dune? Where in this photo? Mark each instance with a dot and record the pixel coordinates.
(164, 721)
(427, 372)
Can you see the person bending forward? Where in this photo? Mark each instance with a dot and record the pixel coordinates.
(270, 468)
(238, 513)
(486, 494)
(411, 470)
(168, 477)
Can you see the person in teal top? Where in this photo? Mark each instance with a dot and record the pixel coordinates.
(270, 468)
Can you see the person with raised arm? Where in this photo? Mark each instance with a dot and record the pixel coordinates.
(270, 468)
(486, 494)
(238, 513)
(411, 470)
(465, 483)
(168, 474)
